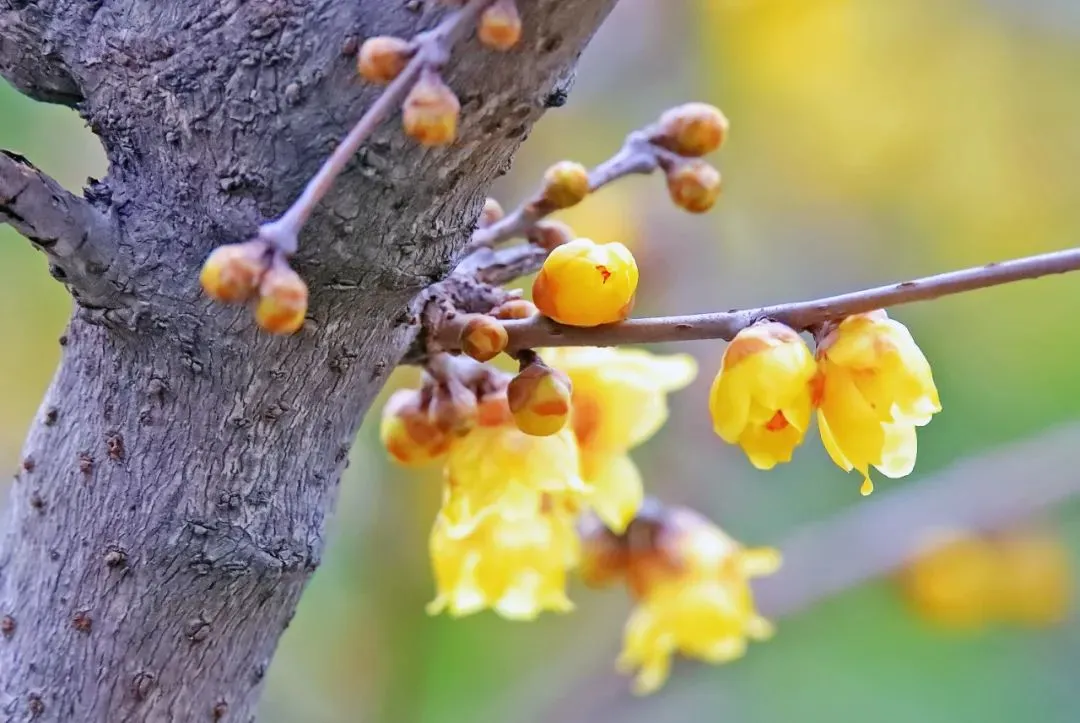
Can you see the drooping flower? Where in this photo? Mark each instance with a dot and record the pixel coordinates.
(492, 459)
(514, 561)
(619, 400)
(874, 388)
(761, 399)
(691, 582)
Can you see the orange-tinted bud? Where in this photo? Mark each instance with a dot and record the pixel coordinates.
(549, 234)
(539, 398)
(493, 410)
(565, 184)
(430, 112)
(492, 213)
(283, 299)
(694, 186)
(483, 338)
(453, 407)
(516, 309)
(407, 433)
(500, 25)
(692, 129)
(231, 273)
(382, 58)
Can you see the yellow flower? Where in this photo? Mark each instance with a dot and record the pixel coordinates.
(583, 283)
(514, 562)
(1036, 578)
(761, 398)
(491, 460)
(694, 598)
(619, 400)
(875, 387)
(952, 581)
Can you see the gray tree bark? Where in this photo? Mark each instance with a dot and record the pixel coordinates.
(172, 499)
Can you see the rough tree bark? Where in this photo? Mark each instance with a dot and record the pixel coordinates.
(171, 502)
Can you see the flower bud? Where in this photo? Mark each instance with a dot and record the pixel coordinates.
(453, 408)
(516, 309)
(500, 25)
(565, 184)
(539, 399)
(583, 283)
(283, 299)
(692, 129)
(492, 213)
(407, 432)
(382, 58)
(694, 186)
(604, 554)
(548, 234)
(430, 112)
(483, 338)
(231, 273)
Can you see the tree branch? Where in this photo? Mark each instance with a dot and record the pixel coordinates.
(76, 237)
(28, 60)
(801, 315)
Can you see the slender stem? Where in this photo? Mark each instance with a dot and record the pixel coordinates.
(636, 156)
(433, 49)
(801, 315)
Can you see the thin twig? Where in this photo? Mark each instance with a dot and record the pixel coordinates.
(800, 315)
(636, 156)
(432, 51)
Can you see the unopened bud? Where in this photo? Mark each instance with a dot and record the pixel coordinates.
(382, 58)
(283, 299)
(694, 186)
(453, 407)
(500, 25)
(550, 234)
(483, 338)
(492, 408)
(692, 129)
(430, 112)
(516, 309)
(566, 184)
(406, 430)
(539, 399)
(232, 272)
(492, 213)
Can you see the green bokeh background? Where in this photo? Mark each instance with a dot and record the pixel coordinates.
(871, 141)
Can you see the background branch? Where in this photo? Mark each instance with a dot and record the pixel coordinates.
(82, 250)
(801, 315)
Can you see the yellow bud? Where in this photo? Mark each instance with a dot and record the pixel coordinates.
(430, 112)
(550, 234)
(583, 283)
(1036, 578)
(231, 273)
(382, 58)
(539, 399)
(694, 186)
(953, 580)
(407, 433)
(692, 129)
(283, 299)
(492, 213)
(453, 408)
(483, 338)
(500, 25)
(565, 184)
(516, 309)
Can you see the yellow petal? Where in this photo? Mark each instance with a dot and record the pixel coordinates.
(617, 490)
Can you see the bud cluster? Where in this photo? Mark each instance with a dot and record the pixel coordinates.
(252, 270)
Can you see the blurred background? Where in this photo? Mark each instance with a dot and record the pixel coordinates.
(871, 141)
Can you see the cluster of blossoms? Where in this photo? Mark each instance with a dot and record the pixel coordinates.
(527, 500)
(869, 383)
(966, 580)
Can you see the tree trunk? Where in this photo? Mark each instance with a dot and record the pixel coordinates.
(175, 484)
